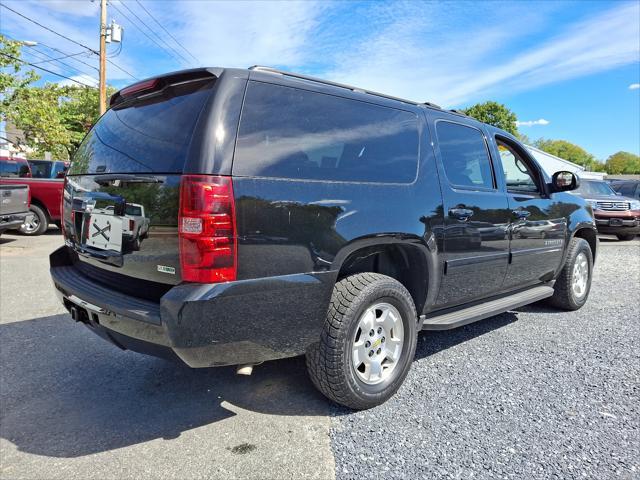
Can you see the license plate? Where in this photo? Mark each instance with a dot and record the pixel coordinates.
(615, 222)
(105, 232)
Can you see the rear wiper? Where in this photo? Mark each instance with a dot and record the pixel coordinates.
(128, 178)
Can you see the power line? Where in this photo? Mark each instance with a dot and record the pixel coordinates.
(44, 57)
(49, 29)
(39, 56)
(52, 59)
(45, 70)
(70, 55)
(154, 32)
(166, 31)
(142, 31)
(64, 53)
(69, 39)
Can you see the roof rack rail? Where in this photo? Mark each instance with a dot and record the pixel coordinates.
(459, 112)
(261, 68)
(432, 105)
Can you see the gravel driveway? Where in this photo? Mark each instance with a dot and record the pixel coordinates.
(533, 393)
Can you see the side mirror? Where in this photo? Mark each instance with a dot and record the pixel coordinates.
(564, 181)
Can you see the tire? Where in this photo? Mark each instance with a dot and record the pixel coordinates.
(373, 300)
(568, 296)
(626, 236)
(39, 223)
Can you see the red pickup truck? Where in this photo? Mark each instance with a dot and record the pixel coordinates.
(46, 194)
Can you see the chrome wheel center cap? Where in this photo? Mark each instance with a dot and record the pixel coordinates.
(377, 343)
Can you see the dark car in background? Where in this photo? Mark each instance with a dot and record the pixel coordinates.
(48, 168)
(615, 214)
(285, 215)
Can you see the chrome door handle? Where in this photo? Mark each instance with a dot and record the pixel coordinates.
(461, 214)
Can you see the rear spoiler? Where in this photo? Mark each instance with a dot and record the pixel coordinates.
(157, 84)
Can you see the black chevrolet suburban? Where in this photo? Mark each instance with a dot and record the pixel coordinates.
(289, 215)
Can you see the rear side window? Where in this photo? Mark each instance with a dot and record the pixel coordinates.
(150, 135)
(291, 133)
(13, 168)
(464, 155)
(40, 169)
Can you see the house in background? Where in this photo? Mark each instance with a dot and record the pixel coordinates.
(551, 164)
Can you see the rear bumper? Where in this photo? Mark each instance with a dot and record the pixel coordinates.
(14, 220)
(247, 321)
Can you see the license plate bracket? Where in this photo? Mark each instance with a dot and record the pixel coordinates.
(105, 232)
(615, 222)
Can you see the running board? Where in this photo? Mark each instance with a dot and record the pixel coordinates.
(467, 315)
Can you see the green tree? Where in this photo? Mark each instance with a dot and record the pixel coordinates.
(568, 151)
(495, 114)
(623, 162)
(12, 77)
(35, 112)
(79, 110)
(54, 118)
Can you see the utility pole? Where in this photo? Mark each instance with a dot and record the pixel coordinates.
(103, 56)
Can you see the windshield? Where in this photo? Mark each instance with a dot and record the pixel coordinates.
(595, 188)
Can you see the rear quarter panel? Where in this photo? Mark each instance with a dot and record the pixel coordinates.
(301, 226)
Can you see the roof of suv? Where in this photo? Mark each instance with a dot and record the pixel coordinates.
(257, 70)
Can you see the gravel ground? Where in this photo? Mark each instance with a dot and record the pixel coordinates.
(534, 393)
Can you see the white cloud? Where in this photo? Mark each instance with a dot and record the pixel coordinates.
(85, 79)
(472, 65)
(634, 86)
(240, 34)
(531, 123)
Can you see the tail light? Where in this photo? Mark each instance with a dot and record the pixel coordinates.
(207, 229)
(132, 224)
(64, 190)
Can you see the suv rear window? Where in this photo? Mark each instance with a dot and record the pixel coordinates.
(150, 135)
(292, 133)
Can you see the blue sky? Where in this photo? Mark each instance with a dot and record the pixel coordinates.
(569, 70)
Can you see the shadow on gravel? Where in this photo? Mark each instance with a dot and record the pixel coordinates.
(431, 342)
(67, 393)
(4, 240)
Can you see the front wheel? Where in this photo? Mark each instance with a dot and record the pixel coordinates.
(626, 236)
(368, 341)
(572, 286)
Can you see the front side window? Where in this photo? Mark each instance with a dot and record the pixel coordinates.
(464, 156)
(518, 174)
(291, 133)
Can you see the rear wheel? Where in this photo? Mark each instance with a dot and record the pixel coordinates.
(368, 341)
(626, 236)
(572, 286)
(36, 223)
